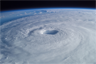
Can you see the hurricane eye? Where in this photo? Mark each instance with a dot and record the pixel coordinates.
(50, 32)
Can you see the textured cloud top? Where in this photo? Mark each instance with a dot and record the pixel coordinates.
(65, 37)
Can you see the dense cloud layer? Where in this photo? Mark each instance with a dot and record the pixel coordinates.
(67, 37)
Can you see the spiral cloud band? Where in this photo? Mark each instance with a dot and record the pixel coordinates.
(67, 37)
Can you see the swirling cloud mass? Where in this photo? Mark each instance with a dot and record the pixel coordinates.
(67, 37)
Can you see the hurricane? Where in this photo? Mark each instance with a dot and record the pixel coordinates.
(50, 37)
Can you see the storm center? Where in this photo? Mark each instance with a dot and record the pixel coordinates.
(50, 32)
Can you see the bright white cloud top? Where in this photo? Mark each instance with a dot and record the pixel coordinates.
(52, 37)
